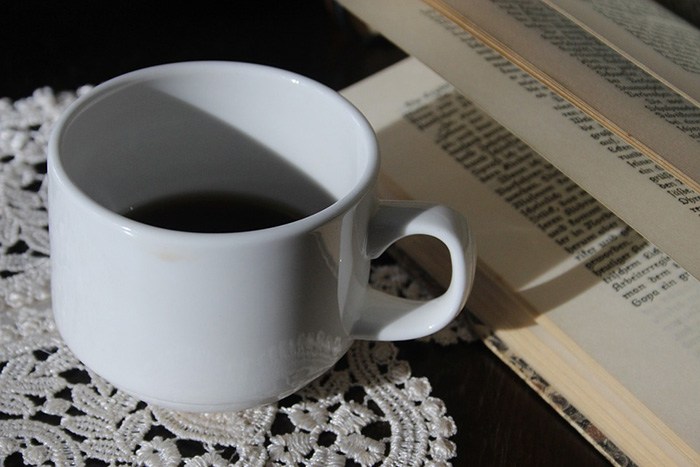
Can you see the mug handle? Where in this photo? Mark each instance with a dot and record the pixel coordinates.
(386, 317)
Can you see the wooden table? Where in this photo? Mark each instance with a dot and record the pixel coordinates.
(67, 44)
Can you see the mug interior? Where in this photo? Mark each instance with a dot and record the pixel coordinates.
(215, 126)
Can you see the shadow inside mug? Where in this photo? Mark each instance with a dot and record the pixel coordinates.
(148, 144)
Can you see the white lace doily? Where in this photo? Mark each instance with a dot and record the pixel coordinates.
(367, 410)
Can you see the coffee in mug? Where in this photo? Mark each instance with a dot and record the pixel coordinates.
(212, 226)
(213, 212)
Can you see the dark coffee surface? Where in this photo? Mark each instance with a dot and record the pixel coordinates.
(214, 212)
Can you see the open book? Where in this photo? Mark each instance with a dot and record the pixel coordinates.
(587, 256)
(639, 156)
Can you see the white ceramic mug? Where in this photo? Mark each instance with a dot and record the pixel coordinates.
(226, 321)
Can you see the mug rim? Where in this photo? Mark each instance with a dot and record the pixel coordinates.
(362, 186)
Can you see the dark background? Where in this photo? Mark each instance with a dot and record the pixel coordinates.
(67, 44)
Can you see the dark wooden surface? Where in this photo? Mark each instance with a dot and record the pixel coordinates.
(68, 44)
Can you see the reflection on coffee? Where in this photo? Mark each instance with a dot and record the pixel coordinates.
(214, 212)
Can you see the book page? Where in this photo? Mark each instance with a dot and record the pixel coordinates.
(628, 305)
(627, 100)
(654, 38)
(648, 198)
